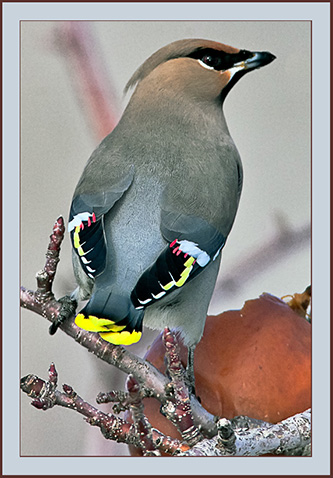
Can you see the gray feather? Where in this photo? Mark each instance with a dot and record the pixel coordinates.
(170, 168)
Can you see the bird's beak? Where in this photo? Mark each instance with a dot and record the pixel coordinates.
(257, 60)
(245, 61)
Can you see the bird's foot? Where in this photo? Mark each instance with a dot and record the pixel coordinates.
(189, 374)
(191, 390)
(190, 382)
(68, 308)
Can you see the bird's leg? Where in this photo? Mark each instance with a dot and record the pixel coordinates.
(190, 380)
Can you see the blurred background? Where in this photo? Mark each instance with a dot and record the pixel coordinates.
(72, 80)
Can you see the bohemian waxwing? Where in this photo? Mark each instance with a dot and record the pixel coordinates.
(158, 197)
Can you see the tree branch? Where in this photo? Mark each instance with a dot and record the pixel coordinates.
(61, 313)
(42, 301)
(239, 437)
(141, 424)
(178, 409)
(292, 433)
(92, 85)
(45, 396)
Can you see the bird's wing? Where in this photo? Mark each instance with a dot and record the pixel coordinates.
(86, 223)
(192, 244)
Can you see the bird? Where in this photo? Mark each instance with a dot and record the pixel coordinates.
(158, 197)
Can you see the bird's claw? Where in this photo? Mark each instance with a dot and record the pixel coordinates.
(190, 383)
(68, 308)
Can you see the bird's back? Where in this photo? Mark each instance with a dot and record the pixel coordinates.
(159, 196)
(133, 235)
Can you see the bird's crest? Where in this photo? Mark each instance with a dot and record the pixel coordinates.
(177, 49)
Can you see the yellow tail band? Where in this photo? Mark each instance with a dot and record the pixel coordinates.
(122, 338)
(108, 330)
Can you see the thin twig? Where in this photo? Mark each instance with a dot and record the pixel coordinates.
(42, 301)
(178, 410)
(118, 397)
(142, 426)
(45, 396)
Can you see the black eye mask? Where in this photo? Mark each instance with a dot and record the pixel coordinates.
(218, 59)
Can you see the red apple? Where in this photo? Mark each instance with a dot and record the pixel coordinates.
(255, 362)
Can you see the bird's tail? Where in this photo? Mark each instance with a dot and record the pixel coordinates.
(113, 316)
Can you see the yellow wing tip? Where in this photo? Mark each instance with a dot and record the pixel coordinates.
(189, 262)
(168, 286)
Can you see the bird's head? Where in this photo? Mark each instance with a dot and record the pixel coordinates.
(202, 69)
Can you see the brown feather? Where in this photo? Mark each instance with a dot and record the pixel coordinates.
(177, 49)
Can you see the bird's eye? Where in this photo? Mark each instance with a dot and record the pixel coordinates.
(211, 61)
